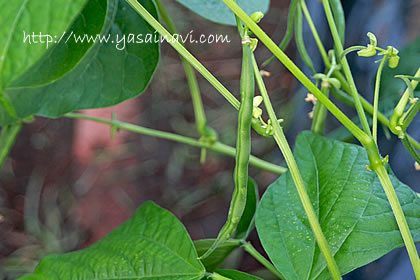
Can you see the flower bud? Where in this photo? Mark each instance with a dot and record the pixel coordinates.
(257, 16)
(393, 61)
(370, 50)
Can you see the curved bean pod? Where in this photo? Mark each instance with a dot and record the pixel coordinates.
(299, 40)
(289, 31)
(243, 150)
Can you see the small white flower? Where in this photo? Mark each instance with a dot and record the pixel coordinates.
(257, 112)
(311, 98)
(311, 115)
(257, 101)
(414, 100)
(265, 73)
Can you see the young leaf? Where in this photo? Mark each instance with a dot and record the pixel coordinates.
(216, 11)
(352, 207)
(218, 256)
(246, 224)
(108, 74)
(153, 244)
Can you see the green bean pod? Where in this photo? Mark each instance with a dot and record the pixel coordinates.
(411, 114)
(339, 18)
(243, 151)
(260, 128)
(299, 39)
(289, 31)
(410, 148)
(290, 24)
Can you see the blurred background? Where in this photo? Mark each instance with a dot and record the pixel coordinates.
(67, 183)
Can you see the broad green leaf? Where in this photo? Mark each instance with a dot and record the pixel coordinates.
(236, 275)
(63, 56)
(391, 87)
(153, 244)
(218, 256)
(351, 205)
(20, 18)
(216, 10)
(246, 224)
(108, 74)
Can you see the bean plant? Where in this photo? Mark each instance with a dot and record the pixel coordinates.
(336, 207)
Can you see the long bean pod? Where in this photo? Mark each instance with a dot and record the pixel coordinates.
(243, 150)
(289, 31)
(300, 44)
(410, 148)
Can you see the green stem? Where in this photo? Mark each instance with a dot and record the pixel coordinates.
(199, 113)
(281, 141)
(200, 116)
(7, 139)
(320, 114)
(340, 21)
(364, 138)
(372, 150)
(7, 104)
(400, 218)
(346, 67)
(266, 40)
(216, 147)
(315, 34)
(183, 52)
(351, 49)
(247, 246)
(344, 85)
(378, 166)
(376, 99)
(345, 98)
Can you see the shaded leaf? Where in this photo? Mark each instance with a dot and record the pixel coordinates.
(216, 10)
(153, 244)
(352, 207)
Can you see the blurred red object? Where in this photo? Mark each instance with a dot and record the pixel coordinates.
(89, 135)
